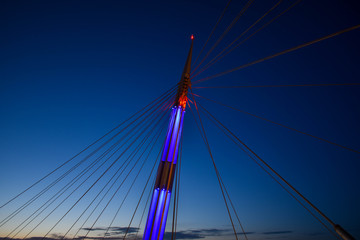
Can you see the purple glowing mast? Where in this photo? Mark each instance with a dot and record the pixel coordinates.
(159, 206)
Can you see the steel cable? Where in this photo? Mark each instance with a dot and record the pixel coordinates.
(279, 53)
(279, 124)
(22, 207)
(218, 57)
(212, 31)
(237, 38)
(213, 162)
(242, 11)
(243, 144)
(96, 141)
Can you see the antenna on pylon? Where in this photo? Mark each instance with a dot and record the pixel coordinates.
(185, 83)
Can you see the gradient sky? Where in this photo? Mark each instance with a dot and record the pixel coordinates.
(72, 70)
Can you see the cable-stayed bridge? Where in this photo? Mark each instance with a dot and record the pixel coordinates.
(142, 157)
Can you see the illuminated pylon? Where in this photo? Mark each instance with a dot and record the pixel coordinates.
(160, 201)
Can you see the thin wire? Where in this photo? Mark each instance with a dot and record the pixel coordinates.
(131, 157)
(85, 181)
(137, 206)
(279, 176)
(115, 193)
(279, 124)
(72, 183)
(54, 198)
(89, 189)
(213, 161)
(279, 53)
(288, 85)
(164, 107)
(156, 137)
(169, 177)
(251, 35)
(22, 207)
(242, 34)
(178, 188)
(147, 201)
(96, 141)
(243, 144)
(232, 205)
(174, 205)
(242, 11)
(212, 31)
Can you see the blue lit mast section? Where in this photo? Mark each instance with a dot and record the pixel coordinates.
(160, 201)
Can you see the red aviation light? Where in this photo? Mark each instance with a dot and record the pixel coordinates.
(182, 101)
(192, 37)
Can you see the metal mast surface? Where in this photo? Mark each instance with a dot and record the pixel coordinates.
(160, 201)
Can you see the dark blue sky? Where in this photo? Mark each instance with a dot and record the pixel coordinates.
(72, 70)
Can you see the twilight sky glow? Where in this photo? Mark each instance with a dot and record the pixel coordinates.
(72, 70)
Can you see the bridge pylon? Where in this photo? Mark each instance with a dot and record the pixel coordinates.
(160, 201)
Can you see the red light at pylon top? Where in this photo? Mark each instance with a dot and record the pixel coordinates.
(192, 37)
